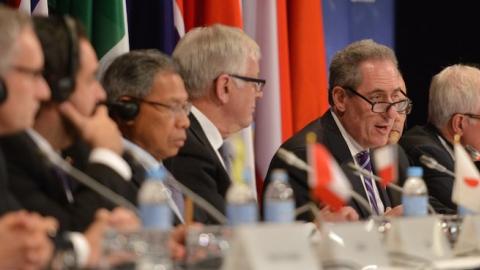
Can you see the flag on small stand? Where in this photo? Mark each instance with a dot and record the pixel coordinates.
(326, 180)
(466, 189)
(386, 163)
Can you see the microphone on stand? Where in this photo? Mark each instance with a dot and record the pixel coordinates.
(433, 164)
(149, 162)
(473, 152)
(292, 159)
(56, 160)
(361, 171)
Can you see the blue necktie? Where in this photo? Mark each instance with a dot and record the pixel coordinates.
(363, 159)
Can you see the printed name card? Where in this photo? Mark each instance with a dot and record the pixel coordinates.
(418, 238)
(271, 246)
(356, 245)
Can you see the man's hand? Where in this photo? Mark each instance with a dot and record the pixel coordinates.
(98, 130)
(24, 241)
(397, 211)
(345, 213)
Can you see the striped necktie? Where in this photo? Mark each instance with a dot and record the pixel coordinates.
(363, 159)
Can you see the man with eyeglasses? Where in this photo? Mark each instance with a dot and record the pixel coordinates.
(24, 237)
(72, 118)
(366, 95)
(220, 67)
(453, 108)
(148, 100)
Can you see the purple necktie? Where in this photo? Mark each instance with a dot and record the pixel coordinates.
(363, 159)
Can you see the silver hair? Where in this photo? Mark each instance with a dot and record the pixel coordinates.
(456, 89)
(204, 53)
(12, 23)
(344, 68)
(133, 73)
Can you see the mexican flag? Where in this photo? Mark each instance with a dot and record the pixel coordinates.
(105, 24)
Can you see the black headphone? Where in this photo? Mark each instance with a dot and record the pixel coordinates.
(63, 87)
(124, 109)
(3, 91)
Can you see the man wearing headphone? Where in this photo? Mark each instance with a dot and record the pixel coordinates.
(73, 115)
(24, 242)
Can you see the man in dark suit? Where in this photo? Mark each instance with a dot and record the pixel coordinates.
(148, 100)
(453, 109)
(24, 241)
(72, 114)
(220, 67)
(366, 95)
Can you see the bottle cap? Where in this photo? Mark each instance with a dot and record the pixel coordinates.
(279, 174)
(157, 173)
(415, 171)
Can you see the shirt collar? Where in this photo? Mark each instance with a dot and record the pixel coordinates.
(353, 146)
(210, 130)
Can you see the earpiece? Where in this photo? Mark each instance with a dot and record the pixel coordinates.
(63, 87)
(124, 110)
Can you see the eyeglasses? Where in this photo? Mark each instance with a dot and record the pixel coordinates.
(401, 106)
(176, 110)
(258, 83)
(35, 73)
(471, 115)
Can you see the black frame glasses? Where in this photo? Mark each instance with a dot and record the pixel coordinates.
(402, 106)
(471, 115)
(174, 109)
(258, 83)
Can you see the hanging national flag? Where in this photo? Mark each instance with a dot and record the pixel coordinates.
(105, 23)
(308, 61)
(34, 7)
(327, 181)
(386, 163)
(466, 189)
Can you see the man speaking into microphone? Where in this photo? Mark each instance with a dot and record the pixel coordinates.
(366, 95)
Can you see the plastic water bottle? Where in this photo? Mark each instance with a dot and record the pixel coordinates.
(156, 216)
(241, 203)
(415, 196)
(153, 200)
(279, 203)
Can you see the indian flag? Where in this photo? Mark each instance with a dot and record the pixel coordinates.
(105, 23)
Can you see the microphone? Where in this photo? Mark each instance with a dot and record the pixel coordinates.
(55, 159)
(292, 159)
(361, 171)
(149, 162)
(433, 164)
(473, 152)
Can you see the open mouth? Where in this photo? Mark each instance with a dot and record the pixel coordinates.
(383, 129)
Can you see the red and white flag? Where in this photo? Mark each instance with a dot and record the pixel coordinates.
(386, 163)
(327, 181)
(466, 189)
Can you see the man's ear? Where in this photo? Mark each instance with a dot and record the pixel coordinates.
(456, 124)
(222, 88)
(339, 96)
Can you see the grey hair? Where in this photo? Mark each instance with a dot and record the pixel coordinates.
(12, 23)
(133, 73)
(344, 68)
(455, 89)
(204, 53)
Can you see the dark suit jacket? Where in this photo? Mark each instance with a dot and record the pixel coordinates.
(7, 201)
(198, 167)
(422, 140)
(38, 187)
(329, 135)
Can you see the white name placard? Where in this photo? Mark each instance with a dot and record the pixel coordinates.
(355, 245)
(418, 238)
(271, 247)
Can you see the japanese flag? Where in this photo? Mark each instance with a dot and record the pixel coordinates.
(466, 189)
(386, 159)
